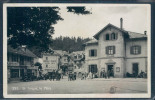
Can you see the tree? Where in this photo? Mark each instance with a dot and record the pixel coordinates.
(69, 44)
(78, 10)
(33, 26)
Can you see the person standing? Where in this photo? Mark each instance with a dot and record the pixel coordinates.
(108, 74)
(85, 75)
(74, 76)
(103, 75)
(53, 75)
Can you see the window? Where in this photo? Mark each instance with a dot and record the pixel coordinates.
(110, 50)
(46, 58)
(135, 50)
(14, 73)
(93, 53)
(113, 36)
(14, 58)
(79, 56)
(93, 68)
(75, 57)
(107, 37)
(46, 66)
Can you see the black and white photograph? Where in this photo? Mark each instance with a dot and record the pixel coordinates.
(76, 50)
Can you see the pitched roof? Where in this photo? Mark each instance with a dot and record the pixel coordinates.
(78, 52)
(132, 35)
(19, 51)
(93, 41)
(60, 52)
(97, 34)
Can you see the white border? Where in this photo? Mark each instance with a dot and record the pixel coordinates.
(105, 95)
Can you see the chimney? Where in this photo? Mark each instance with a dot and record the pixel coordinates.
(145, 32)
(121, 23)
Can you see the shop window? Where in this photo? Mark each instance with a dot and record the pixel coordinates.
(110, 50)
(135, 50)
(14, 73)
(93, 53)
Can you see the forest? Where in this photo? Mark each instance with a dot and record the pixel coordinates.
(69, 44)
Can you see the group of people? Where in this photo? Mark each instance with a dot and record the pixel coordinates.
(55, 75)
(107, 74)
(71, 76)
(28, 77)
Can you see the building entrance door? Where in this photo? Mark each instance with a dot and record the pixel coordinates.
(110, 70)
(135, 69)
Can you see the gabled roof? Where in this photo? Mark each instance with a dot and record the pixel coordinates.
(78, 52)
(19, 51)
(60, 52)
(93, 41)
(129, 34)
(96, 36)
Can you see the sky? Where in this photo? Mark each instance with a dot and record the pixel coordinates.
(135, 19)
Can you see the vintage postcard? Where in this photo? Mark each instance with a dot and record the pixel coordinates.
(53, 50)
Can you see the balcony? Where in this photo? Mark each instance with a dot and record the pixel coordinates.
(13, 63)
(26, 63)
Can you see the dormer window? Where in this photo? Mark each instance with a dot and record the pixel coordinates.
(107, 37)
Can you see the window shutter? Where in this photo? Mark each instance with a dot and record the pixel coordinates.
(139, 49)
(106, 51)
(116, 36)
(113, 49)
(95, 51)
(131, 50)
(89, 53)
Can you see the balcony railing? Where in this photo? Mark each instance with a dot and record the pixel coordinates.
(13, 63)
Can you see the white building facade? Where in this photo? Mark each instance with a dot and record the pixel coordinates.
(50, 62)
(117, 50)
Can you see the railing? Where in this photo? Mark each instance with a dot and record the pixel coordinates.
(25, 63)
(13, 63)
